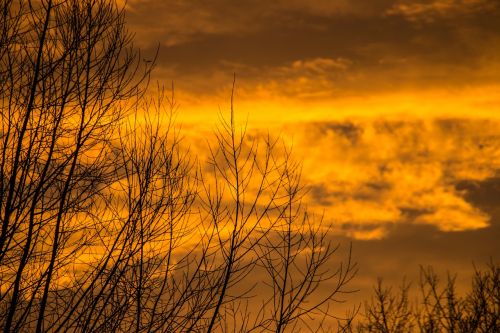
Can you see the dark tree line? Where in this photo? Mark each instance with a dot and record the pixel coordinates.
(107, 221)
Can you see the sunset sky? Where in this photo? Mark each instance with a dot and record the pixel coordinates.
(393, 106)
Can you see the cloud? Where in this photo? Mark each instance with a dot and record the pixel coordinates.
(438, 9)
(369, 176)
(320, 48)
(321, 62)
(177, 22)
(306, 78)
(378, 173)
(320, 65)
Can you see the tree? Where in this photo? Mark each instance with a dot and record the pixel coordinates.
(439, 308)
(107, 221)
(65, 68)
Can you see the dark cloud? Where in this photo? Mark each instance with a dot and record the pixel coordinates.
(483, 194)
(410, 246)
(320, 193)
(346, 129)
(256, 39)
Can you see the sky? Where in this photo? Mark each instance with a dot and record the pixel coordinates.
(392, 106)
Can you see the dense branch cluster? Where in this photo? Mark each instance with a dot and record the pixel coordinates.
(106, 221)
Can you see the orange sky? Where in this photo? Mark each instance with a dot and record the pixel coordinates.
(392, 105)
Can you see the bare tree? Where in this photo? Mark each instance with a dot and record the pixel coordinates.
(439, 308)
(297, 257)
(388, 311)
(66, 67)
(255, 205)
(109, 224)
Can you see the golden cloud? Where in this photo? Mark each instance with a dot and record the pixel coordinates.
(375, 173)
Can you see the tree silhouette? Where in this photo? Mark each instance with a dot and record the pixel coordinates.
(109, 224)
(439, 308)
